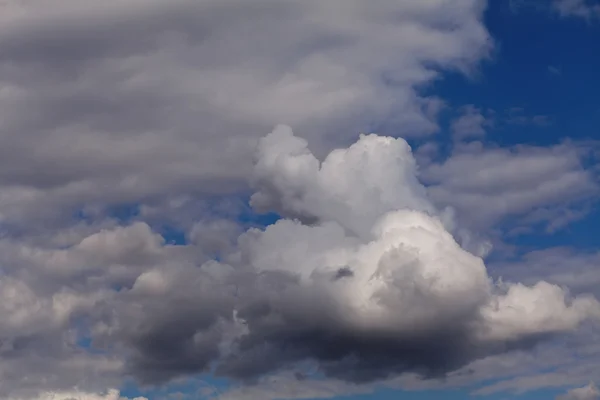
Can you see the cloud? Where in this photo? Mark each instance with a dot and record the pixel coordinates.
(348, 324)
(153, 109)
(577, 8)
(471, 123)
(326, 288)
(485, 184)
(586, 9)
(153, 101)
(291, 180)
(554, 70)
(589, 392)
(156, 107)
(111, 394)
(517, 116)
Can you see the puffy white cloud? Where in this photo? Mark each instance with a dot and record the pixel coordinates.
(563, 266)
(353, 186)
(400, 283)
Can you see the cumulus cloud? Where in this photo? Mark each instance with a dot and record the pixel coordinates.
(291, 180)
(407, 261)
(362, 276)
(295, 305)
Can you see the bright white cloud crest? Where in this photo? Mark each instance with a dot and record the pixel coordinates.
(405, 270)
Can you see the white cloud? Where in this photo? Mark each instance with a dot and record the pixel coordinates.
(289, 178)
(588, 392)
(409, 261)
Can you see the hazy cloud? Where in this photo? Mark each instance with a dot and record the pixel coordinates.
(589, 392)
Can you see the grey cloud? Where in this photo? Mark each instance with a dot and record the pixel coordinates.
(578, 270)
(166, 312)
(486, 184)
(293, 314)
(125, 102)
(518, 116)
(472, 123)
(576, 8)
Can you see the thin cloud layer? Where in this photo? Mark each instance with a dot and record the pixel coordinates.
(577, 8)
(540, 184)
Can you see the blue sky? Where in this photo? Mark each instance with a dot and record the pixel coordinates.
(189, 208)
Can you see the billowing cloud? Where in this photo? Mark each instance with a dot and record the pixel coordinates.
(362, 277)
(119, 118)
(564, 266)
(389, 292)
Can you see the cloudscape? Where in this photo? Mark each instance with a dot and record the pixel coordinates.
(304, 199)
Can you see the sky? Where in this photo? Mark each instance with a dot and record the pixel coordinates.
(316, 199)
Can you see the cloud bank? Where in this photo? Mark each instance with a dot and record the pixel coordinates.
(117, 119)
(362, 277)
(374, 285)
